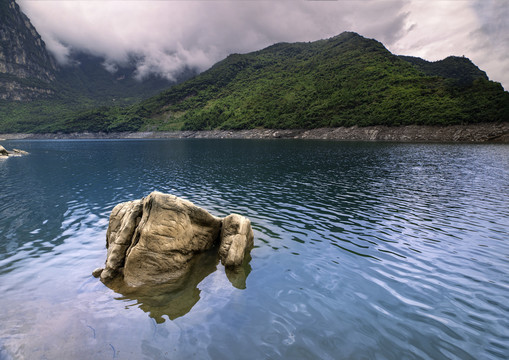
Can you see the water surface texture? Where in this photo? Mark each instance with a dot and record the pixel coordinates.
(362, 251)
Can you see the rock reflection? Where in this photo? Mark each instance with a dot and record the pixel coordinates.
(238, 275)
(176, 298)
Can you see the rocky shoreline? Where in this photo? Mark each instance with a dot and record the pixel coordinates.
(474, 133)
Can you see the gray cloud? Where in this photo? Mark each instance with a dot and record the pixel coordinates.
(492, 38)
(477, 29)
(167, 36)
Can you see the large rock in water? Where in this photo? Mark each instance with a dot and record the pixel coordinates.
(152, 240)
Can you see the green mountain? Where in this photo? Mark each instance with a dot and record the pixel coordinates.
(34, 90)
(343, 81)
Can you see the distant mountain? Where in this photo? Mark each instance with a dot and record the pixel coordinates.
(35, 90)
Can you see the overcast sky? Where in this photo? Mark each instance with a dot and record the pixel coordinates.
(167, 35)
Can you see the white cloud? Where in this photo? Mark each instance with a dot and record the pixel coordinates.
(476, 29)
(168, 35)
(491, 39)
(111, 67)
(59, 50)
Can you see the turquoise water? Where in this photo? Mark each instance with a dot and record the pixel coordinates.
(362, 251)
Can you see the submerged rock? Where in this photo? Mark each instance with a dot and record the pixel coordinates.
(152, 240)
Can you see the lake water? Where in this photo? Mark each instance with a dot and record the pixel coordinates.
(362, 251)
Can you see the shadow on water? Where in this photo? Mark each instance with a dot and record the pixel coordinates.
(176, 298)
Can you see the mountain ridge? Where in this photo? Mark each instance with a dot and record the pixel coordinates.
(461, 69)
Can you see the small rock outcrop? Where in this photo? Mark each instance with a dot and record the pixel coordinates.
(152, 240)
(236, 236)
(15, 152)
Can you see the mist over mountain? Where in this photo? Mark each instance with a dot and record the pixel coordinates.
(169, 35)
(35, 88)
(28, 72)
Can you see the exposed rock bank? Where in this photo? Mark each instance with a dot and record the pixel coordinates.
(474, 133)
(153, 240)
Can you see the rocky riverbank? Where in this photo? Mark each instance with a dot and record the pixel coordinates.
(474, 133)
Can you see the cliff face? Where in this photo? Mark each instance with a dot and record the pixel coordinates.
(26, 68)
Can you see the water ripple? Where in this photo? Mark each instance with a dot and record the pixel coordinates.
(362, 250)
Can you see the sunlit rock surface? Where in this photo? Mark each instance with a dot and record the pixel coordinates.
(236, 238)
(153, 240)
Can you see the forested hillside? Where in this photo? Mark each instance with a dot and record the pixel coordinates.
(343, 81)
